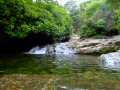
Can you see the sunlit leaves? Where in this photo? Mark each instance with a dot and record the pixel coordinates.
(19, 18)
(100, 15)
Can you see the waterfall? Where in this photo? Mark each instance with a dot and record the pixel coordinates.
(59, 48)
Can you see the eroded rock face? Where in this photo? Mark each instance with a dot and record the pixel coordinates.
(96, 46)
(81, 46)
(111, 60)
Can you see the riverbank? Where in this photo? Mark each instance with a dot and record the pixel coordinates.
(95, 46)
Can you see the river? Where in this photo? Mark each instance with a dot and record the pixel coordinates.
(56, 72)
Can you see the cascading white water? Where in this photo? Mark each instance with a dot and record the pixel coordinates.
(37, 50)
(63, 48)
(59, 48)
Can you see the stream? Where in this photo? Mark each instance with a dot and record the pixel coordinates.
(57, 67)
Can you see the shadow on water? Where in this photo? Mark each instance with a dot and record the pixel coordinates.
(39, 64)
(58, 72)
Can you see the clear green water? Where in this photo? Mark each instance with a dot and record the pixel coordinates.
(41, 64)
(81, 72)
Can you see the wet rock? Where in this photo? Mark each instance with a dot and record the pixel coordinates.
(81, 46)
(59, 48)
(111, 60)
(96, 46)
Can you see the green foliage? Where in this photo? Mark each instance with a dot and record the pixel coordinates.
(103, 19)
(86, 31)
(73, 9)
(20, 18)
(115, 7)
(109, 49)
(100, 23)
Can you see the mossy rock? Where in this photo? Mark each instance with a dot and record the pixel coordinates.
(109, 49)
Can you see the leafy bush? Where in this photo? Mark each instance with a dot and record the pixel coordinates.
(19, 18)
(103, 18)
(100, 26)
(87, 31)
(100, 23)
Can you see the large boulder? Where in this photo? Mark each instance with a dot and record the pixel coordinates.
(111, 60)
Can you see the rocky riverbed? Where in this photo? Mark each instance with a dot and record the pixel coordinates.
(95, 46)
(66, 72)
(77, 45)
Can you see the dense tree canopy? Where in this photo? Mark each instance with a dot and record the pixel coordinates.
(74, 12)
(19, 18)
(97, 18)
(42, 21)
(115, 7)
(25, 24)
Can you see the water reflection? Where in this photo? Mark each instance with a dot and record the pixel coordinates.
(49, 64)
(61, 72)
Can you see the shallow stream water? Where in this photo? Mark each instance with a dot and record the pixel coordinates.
(57, 72)
(57, 68)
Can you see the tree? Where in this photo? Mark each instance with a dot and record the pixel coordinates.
(21, 18)
(73, 9)
(97, 18)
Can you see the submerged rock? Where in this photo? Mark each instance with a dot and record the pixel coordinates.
(111, 60)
